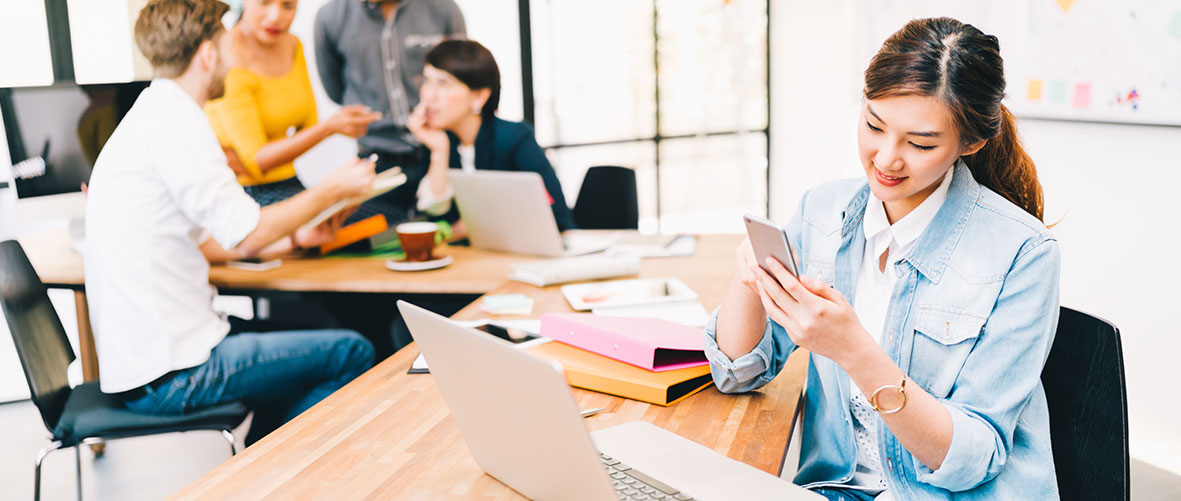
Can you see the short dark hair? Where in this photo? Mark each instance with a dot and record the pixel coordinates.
(169, 32)
(470, 63)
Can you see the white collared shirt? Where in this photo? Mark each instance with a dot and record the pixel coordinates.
(159, 185)
(871, 301)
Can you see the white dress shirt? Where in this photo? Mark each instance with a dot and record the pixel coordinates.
(159, 185)
(871, 301)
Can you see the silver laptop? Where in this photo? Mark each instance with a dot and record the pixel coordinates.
(521, 423)
(509, 212)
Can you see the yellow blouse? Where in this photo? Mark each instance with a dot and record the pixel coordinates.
(257, 109)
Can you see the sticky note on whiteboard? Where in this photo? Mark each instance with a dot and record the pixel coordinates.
(1058, 92)
(1034, 91)
(1082, 96)
(1175, 25)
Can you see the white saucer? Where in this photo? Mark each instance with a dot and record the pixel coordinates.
(434, 264)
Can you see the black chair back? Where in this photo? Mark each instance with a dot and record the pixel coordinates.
(41, 342)
(1086, 393)
(607, 199)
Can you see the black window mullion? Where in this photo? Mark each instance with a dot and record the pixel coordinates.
(656, 76)
(526, 29)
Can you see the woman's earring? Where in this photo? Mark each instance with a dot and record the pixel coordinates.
(475, 109)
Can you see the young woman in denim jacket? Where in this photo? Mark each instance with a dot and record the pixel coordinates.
(928, 292)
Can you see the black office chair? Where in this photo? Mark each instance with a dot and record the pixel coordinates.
(607, 199)
(82, 415)
(1086, 393)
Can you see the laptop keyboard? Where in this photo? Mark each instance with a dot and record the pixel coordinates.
(631, 484)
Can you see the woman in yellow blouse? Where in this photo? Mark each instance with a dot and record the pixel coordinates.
(267, 95)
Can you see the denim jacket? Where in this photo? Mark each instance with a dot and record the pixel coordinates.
(971, 321)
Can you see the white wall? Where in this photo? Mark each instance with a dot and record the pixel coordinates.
(1112, 186)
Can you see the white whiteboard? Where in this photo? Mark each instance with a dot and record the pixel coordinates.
(1091, 60)
(102, 41)
(24, 45)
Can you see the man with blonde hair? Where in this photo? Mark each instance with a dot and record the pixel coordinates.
(162, 204)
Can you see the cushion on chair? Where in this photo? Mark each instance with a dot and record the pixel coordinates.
(91, 413)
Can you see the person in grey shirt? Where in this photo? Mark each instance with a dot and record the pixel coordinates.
(371, 52)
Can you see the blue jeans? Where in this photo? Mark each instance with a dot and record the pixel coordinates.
(277, 374)
(842, 494)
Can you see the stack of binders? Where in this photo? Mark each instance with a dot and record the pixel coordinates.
(644, 359)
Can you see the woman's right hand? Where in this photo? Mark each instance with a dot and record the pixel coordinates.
(435, 140)
(352, 120)
(234, 161)
(741, 317)
(354, 178)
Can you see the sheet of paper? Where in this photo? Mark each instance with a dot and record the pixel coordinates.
(508, 304)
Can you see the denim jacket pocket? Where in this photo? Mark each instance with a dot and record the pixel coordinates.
(825, 271)
(945, 338)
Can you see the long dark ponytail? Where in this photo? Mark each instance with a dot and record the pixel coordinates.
(962, 67)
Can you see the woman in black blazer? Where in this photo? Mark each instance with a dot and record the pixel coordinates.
(456, 120)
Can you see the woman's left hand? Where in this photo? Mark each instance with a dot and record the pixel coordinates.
(815, 316)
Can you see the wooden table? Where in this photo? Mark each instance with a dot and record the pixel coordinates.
(473, 272)
(388, 434)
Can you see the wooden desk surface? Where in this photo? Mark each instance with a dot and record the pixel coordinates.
(55, 261)
(473, 271)
(388, 434)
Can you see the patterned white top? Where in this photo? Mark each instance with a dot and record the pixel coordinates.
(871, 301)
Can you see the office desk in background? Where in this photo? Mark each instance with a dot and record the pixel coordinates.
(473, 272)
(389, 434)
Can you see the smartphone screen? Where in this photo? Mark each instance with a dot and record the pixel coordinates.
(512, 335)
(769, 240)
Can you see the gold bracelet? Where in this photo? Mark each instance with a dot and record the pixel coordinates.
(901, 387)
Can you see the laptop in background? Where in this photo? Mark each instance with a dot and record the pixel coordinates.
(510, 212)
(522, 426)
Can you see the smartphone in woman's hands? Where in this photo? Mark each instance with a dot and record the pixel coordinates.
(769, 240)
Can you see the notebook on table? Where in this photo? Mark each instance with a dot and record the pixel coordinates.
(648, 343)
(594, 372)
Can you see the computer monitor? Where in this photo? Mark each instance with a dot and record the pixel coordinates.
(53, 136)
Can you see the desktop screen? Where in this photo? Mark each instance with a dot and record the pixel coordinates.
(55, 133)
